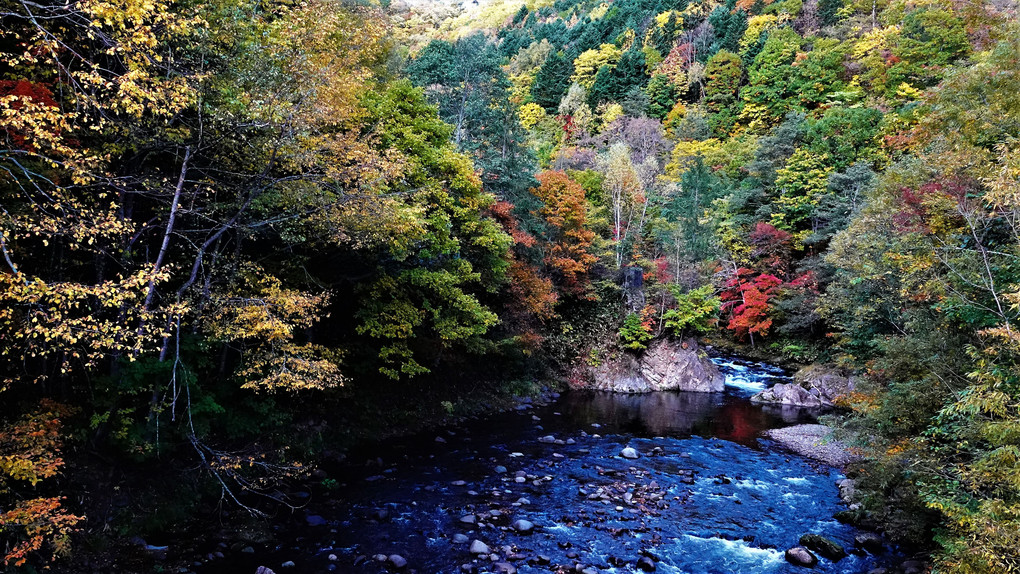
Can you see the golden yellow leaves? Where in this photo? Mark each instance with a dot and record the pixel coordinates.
(291, 368)
(263, 316)
(75, 324)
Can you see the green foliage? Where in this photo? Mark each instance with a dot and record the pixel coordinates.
(635, 333)
(613, 83)
(696, 311)
(768, 94)
(552, 81)
(662, 96)
(723, 74)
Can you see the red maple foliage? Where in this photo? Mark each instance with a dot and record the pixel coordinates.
(747, 301)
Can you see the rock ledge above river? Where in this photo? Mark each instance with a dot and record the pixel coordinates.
(666, 366)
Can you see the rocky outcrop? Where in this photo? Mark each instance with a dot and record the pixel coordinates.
(665, 366)
(812, 386)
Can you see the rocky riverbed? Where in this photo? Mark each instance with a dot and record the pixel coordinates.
(593, 482)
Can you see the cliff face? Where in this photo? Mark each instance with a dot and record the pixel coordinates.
(665, 366)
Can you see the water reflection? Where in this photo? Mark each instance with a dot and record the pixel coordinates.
(678, 414)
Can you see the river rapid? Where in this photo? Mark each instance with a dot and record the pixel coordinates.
(706, 494)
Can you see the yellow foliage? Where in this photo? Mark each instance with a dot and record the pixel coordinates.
(686, 153)
(756, 26)
(531, 113)
(663, 17)
(610, 112)
(587, 64)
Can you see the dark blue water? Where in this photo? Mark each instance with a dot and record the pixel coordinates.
(707, 494)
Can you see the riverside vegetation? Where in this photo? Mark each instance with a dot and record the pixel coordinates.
(236, 235)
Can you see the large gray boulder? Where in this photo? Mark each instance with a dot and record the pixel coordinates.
(812, 386)
(665, 366)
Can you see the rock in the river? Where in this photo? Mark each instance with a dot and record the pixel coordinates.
(397, 561)
(504, 568)
(813, 441)
(478, 547)
(830, 382)
(522, 525)
(288, 564)
(468, 519)
(629, 452)
(812, 386)
(264, 570)
(870, 541)
(826, 547)
(665, 366)
(548, 439)
(459, 538)
(788, 394)
(645, 564)
(800, 556)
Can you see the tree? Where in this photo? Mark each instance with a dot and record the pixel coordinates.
(695, 310)
(611, 84)
(747, 301)
(552, 81)
(801, 183)
(723, 73)
(567, 240)
(627, 197)
(662, 96)
(588, 64)
(768, 92)
(426, 288)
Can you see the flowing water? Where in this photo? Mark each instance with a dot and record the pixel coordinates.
(706, 495)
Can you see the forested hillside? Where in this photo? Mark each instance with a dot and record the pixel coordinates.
(236, 234)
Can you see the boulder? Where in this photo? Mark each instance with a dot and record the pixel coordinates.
(478, 547)
(826, 547)
(830, 382)
(315, 520)
(629, 452)
(397, 561)
(788, 394)
(645, 564)
(870, 541)
(812, 386)
(800, 556)
(504, 568)
(665, 366)
(522, 525)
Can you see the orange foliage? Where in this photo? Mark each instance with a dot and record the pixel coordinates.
(565, 211)
(29, 453)
(535, 293)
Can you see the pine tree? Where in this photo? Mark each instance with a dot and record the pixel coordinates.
(552, 81)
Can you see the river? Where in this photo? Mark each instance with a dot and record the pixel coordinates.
(706, 495)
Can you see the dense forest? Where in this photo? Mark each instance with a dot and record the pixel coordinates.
(238, 234)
